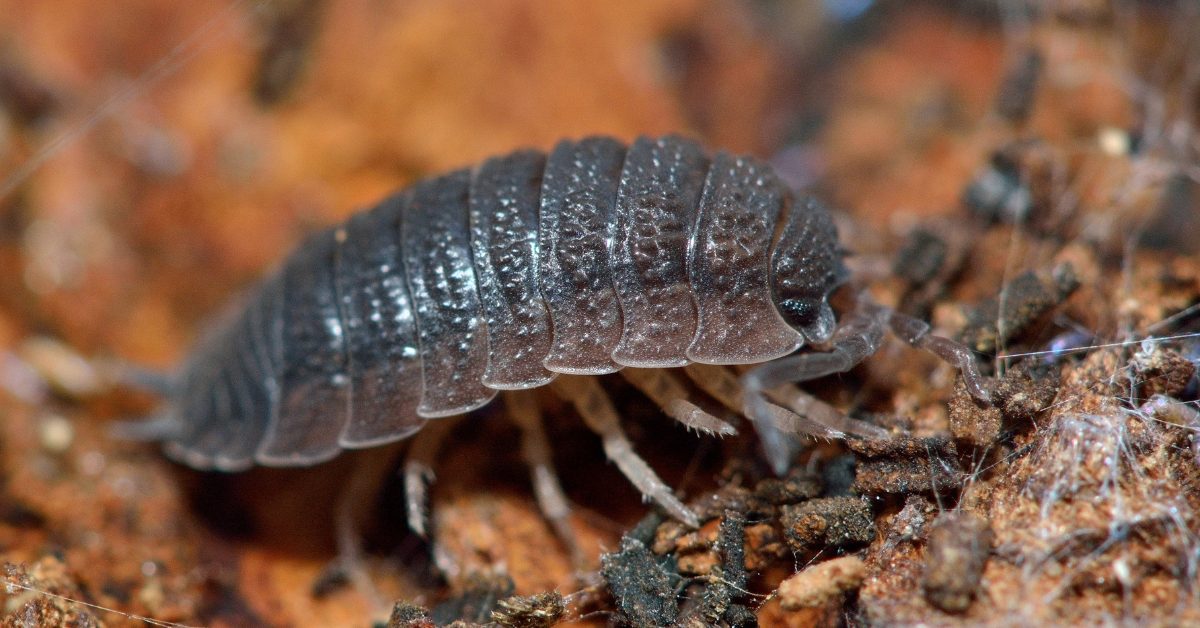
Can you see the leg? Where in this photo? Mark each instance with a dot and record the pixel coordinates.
(718, 382)
(916, 333)
(856, 339)
(723, 385)
(668, 392)
(523, 409)
(597, 412)
(163, 425)
(418, 473)
(352, 508)
(809, 409)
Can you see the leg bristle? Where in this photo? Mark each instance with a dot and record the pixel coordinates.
(693, 417)
(417, 478)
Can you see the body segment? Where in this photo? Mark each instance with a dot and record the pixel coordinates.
(380, 321)
(436, 243)
(660, 188)
(505, 193)
(576, 228)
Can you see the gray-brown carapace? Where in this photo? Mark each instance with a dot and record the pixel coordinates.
(592, 258)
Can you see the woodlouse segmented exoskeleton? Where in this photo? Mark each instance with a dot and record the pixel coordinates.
(592, 258)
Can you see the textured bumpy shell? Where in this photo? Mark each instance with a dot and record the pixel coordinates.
(592, 258)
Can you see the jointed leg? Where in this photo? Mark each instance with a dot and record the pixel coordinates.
(719, 382)
(807, 414)
(810, 409)
(523, 409)
(599, 415)
(916, 333)
(856, 339)
(147, 380)
(164, 424)
(161, 426)
(670, 395)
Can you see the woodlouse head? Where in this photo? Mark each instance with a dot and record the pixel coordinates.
(806, 265)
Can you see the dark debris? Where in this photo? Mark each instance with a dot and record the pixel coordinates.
(289, 29)
(837, 475)
(921, 258)
(20, 515)
(643, 585)
(726, 582)
(1176, 219)
(998, 193)
(1017, 186)
(23, 94)
(959, 543)
(906, 464)
(1018, 90)
(1025, 391)
(1025, 299)
(409, 615)
(827, 522)
(795, 488)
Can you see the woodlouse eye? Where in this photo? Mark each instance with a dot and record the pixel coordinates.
(813, 318)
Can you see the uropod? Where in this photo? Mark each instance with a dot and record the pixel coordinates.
(589, 259)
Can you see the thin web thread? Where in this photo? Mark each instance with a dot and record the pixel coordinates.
(180, 55)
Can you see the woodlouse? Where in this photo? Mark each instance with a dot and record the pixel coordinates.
(588, 259)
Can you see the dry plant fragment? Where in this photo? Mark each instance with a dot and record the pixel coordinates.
(822, 583)
(533, 611)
